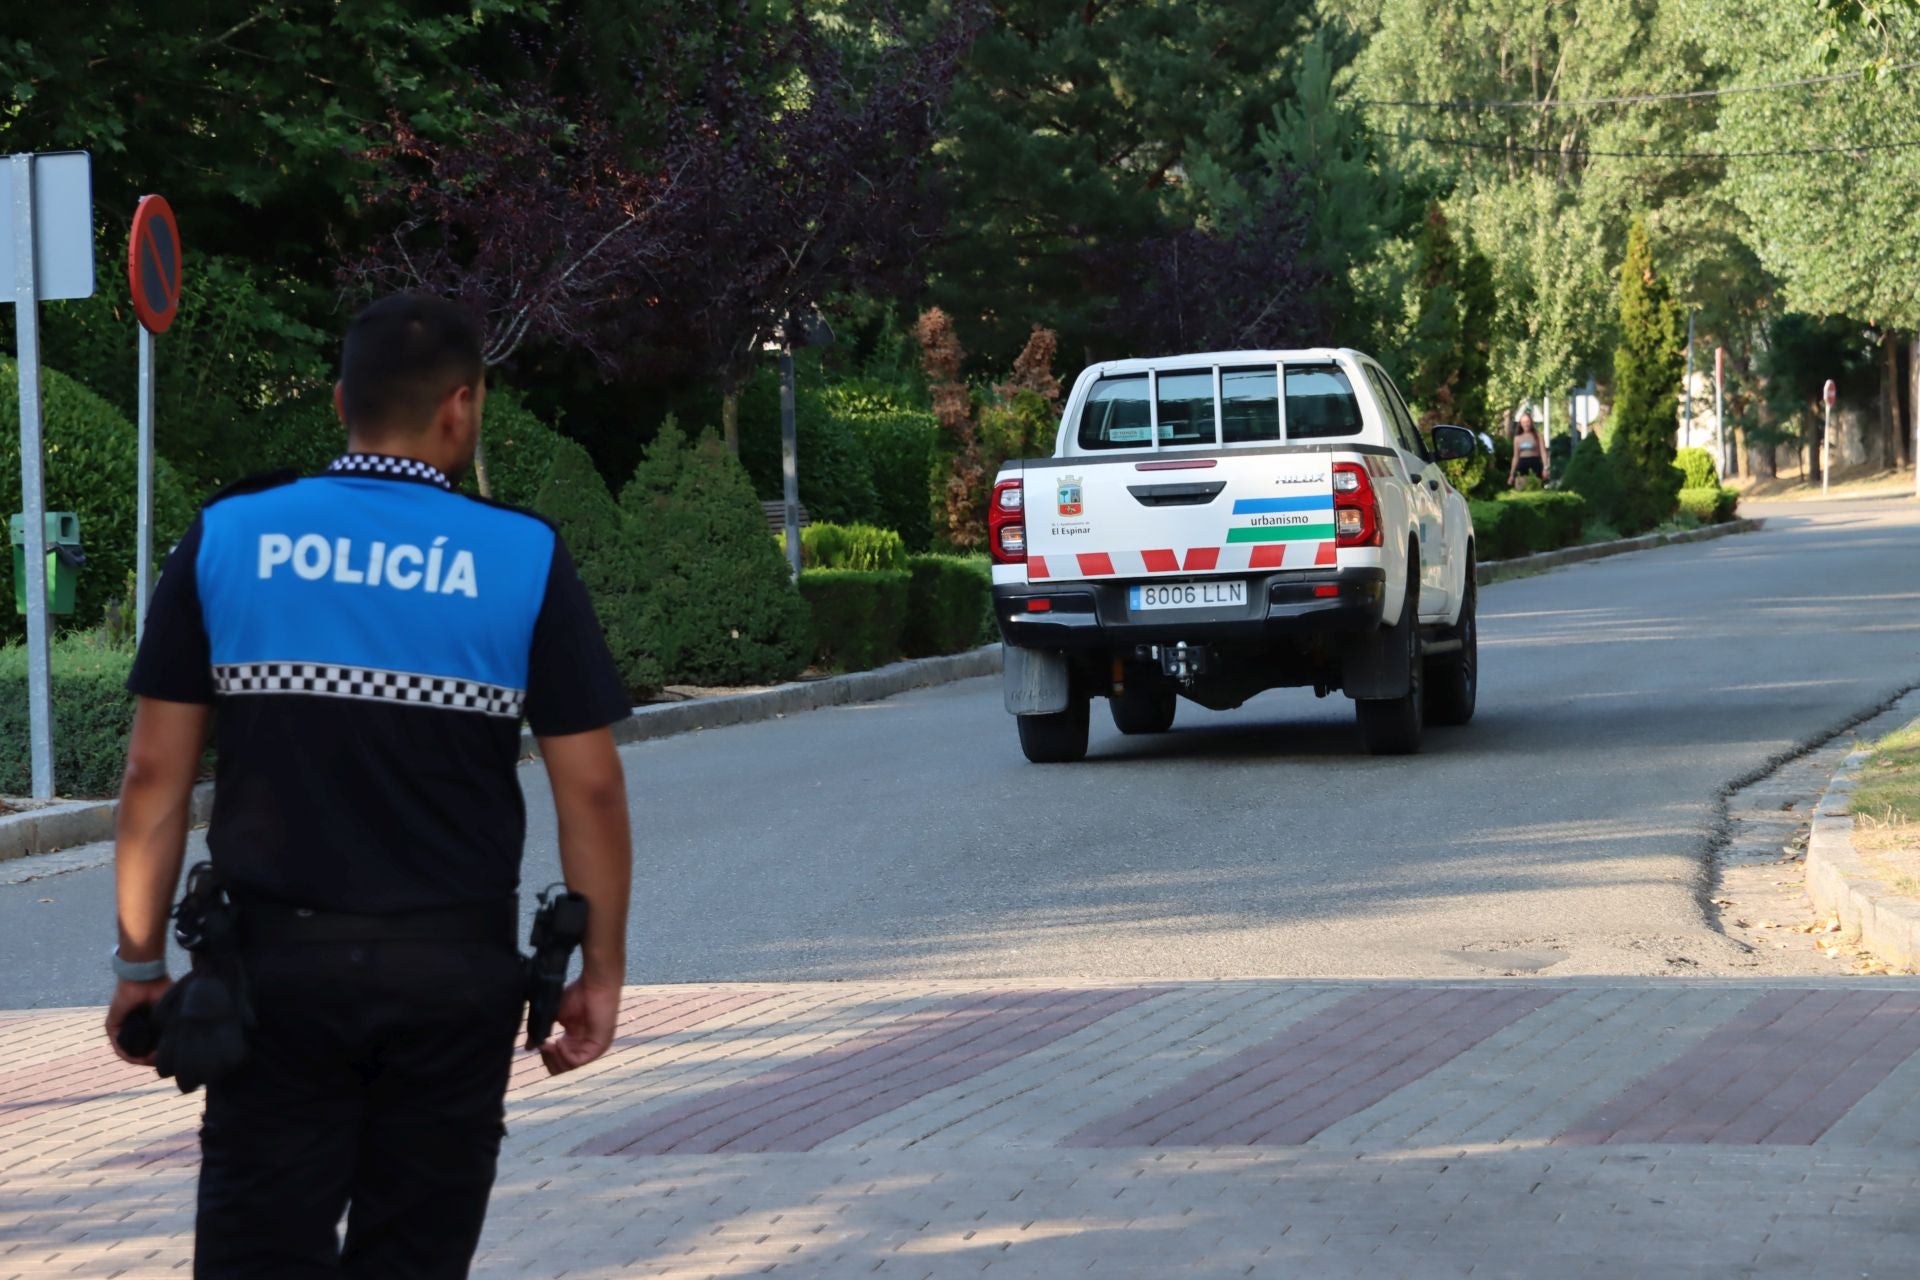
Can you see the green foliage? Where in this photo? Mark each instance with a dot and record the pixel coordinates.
(1710, 504)
(1520, 524)
(852, 546)
(302, 434)
(949, 604)
(717, 601)
(520, 449)
(92, 716)
(1445, 352)
(1647, 368)
(1697, 466)
(1590, 474)
(92, 469)
(898, 441)
(574, 497)
(1483, 474)
(858, 617)
(836, 474)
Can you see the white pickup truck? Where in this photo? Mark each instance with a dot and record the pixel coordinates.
(1212, 526)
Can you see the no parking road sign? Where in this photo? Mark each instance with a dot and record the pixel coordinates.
(153, 264)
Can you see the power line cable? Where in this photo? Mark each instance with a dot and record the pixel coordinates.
(1550, 104)
(1472, 144)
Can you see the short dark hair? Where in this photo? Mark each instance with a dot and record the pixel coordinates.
(401, 357)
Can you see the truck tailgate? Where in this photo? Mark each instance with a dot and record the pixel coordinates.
(1141, 517)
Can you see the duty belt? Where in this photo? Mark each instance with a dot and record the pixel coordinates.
(271, 923)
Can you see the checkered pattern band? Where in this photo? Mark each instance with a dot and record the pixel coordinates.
(322, 680)
(381, 464)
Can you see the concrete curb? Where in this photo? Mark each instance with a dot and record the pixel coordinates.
(801, 695)
(1840, 881)
(1494, 570)
(61, 826)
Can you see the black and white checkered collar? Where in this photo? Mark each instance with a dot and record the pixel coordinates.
(388, 467)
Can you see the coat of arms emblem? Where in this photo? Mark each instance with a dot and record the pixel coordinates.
(1070, 496)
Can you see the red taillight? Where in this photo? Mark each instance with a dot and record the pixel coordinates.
(1006, 524)
(1040, 604)
(1356, 509)
(1326, 591)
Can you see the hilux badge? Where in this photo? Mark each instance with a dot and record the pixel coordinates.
(1070, 498)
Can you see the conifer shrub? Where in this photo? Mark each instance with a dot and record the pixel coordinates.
(1646, 378)
(1590, 474)
(858, 617)
(520, 449)
(949, 604)
(92, 468)
(576, 500)
(717, 604)
(1696, 465)
(851, 546)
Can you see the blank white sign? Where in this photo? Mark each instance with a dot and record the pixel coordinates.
(62, 227)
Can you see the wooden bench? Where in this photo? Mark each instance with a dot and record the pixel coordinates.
(776, 513)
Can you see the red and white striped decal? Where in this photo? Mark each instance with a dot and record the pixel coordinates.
(1234, 558)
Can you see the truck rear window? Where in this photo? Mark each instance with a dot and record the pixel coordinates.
(1320, 405)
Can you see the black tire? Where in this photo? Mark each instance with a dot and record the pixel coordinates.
(1453, 679)
(1144, 710)
(1394, 726)
(1060, 738)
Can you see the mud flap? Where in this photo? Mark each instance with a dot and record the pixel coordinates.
(1038, 682)
(1377, 665)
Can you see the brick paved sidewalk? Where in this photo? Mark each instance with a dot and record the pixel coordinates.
(1220, 1129)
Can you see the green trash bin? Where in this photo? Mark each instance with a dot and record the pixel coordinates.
(64, 559)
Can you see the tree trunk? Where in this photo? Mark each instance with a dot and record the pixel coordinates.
(1909, 439)
(730, 420)
(1890, 432)
(480, 468)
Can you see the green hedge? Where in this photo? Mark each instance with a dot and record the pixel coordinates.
(1709, 504)
(1697, 466)
(92, 468)
(949, 604)
(1519, 524)
(851, 546)
(92, 716)
(859, 617)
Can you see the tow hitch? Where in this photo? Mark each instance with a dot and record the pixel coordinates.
(1183, 662)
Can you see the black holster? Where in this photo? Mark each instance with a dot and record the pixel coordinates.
(203, 1020)
(559, 927)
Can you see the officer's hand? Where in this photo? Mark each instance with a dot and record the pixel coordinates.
(128, 996)
(587, 1016)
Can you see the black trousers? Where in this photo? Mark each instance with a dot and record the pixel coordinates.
(376, 1087)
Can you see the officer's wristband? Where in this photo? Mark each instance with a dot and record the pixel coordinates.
(138, 970)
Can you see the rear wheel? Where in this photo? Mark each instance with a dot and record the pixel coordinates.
(1059, 738)
(1453, 679)
(1144, 710)
(1394, 726)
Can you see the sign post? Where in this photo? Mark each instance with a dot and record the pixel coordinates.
(1828, 394)
(153, 276)
(46, 210)
(1727, 467)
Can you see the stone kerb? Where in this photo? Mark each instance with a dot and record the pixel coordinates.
(1841, 883)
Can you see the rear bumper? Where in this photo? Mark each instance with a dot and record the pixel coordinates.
(1280, 607)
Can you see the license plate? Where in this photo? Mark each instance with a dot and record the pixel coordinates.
(1227, 593)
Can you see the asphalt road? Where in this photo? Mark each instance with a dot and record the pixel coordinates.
(1565, 832)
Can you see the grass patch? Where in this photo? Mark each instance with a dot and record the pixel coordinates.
(1889, 788)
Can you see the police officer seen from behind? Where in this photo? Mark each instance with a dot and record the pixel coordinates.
(371, 639)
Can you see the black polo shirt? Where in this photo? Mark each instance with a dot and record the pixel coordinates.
(371, 641)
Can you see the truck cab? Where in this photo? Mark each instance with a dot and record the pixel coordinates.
(1214, 525)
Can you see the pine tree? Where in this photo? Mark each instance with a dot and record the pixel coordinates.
(576, 500)
(1647, 368)
(1447, 359)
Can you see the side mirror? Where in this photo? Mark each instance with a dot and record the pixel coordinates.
(1453, 442)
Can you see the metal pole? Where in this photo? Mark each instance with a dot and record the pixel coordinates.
(1719, 414)
(1686, 432)
(143, 570)
(789, 453)
(1826, 456)
(33, 497)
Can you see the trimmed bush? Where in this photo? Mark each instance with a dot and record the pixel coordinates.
(520, 449)
(836, 476)
(92, 468)
(851, 546)
(302, 434)
(92, 716)
(1549, 520)
(1710, 505)
(718, 606)
(901, 449)
(1495, 530)
(858, 618)
(949, 604)
(1697, 466)
(576, 500)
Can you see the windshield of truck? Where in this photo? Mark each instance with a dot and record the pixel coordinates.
(1320, 403)
(1117, 415)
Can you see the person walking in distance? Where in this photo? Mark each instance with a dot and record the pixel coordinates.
(372, 639)
(1529, 451)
